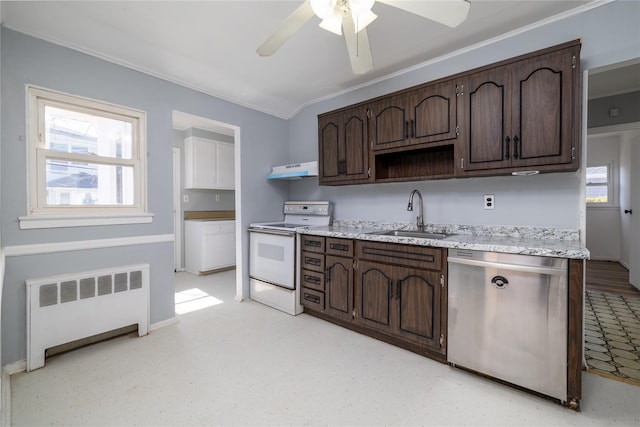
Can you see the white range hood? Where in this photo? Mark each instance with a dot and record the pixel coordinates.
(294, 171)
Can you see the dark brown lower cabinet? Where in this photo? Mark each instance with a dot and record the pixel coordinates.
(395, 292)
(339, 287)
(400, 301)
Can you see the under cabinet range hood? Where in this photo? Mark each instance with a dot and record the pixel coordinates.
(294, 171)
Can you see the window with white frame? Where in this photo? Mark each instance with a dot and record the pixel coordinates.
(87, 158)
(599, 185)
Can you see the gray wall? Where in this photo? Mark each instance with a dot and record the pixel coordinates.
(263, 142)
(628, 105)
(609, 34)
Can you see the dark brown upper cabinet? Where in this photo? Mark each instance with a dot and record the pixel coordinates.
(515, 116)
(342, 144)
(522, 116)
(423, 115)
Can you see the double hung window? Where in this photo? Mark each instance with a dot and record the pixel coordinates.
(86, 160)
(599, 185)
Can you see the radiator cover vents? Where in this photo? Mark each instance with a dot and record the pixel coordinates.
(70, 307)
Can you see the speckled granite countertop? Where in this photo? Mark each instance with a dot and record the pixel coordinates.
(553, 242)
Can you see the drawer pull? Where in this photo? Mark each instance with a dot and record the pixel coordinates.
(312, 279)
(312, 298)
(339, 247)
(313, 243)
(312, 261)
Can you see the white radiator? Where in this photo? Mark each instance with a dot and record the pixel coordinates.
(70, 307)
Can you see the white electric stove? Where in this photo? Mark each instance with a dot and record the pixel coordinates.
(273, 249)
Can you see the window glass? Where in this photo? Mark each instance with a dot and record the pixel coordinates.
(598, 184)
(77, 132)
(88, 184)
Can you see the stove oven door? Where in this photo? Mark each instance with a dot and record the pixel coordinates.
(272, 255)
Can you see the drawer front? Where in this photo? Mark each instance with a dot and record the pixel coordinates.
(312, 261)
(340, 247)
(312, 243)
(407, 255)
(312, 279)
(312, 299)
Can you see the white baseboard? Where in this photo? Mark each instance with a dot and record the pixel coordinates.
(5, 414)
(163, 323)
(15, 367)
(625, 265)
(603, 258)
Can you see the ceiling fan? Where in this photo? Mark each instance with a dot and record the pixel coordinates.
(353, 16)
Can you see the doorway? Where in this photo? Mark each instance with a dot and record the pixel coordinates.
(183, 122)
(612, 306)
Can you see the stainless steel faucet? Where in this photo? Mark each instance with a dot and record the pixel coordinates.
(420, 218)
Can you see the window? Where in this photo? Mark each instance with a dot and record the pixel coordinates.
(599, 185)
(86, 159)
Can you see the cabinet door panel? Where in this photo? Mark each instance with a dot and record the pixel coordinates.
(542, 125)
(374, 291)
(487, 120)
(338, 287)
(355, 146)
(225, 166)
(434, 113)
(329, 149)
(390, 123)
(418, 299)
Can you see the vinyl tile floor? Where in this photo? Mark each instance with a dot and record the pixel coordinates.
(612, 335)
(230, 363)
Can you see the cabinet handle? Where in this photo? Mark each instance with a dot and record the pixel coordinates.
(515, 147)
(390, 288)
(312, 261)
(313, 243)
(312, 298)
(311, 279)
(327, 274)
(406, 129)
(398, 284)
(507, 140)
(339, 247)
(413, 128)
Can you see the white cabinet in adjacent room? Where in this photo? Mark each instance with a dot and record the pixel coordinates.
(209, 164)
(209, 245)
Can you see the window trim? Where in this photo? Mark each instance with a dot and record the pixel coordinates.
(609, 185)
(39, 215)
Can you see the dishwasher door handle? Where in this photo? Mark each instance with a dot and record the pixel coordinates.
(505, 266)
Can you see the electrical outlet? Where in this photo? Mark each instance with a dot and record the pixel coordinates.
(185, 198)
(489, 201)
(217, 197)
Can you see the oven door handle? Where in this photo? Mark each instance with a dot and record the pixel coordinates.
(272, 231)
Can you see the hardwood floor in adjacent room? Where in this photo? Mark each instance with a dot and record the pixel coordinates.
(609, 276)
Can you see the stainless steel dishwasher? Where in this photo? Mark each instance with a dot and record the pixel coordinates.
(507, 318)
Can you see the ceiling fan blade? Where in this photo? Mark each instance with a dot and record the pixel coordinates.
(293, 23)
(451, 13)
(358, 47)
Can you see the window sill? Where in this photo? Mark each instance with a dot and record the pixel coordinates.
(61, 221)
(603, 207)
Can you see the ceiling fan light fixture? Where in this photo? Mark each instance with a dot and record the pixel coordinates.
(333, 23)
(323, 8)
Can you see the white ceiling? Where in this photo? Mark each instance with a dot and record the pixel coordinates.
(211, 45)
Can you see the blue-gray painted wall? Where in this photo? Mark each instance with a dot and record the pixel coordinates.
(609, 34)
(27, 60)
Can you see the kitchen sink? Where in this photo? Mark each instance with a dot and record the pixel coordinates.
(407, 233)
